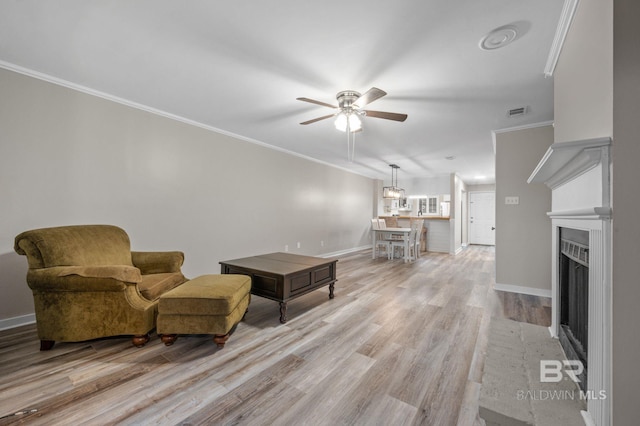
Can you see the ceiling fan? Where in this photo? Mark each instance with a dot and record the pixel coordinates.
(349, 111)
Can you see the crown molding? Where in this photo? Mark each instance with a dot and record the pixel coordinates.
(568, 11)
(107, 96)
(516, 128)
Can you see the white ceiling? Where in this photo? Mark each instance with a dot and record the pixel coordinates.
(238, 66)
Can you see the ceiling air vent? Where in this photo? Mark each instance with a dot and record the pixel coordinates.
(517, 112)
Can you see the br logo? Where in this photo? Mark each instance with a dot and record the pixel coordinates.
(551, 370)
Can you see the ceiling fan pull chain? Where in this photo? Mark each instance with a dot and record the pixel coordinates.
(351, 145)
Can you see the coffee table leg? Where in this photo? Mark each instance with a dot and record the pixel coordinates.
(283, 312)
(331, 291)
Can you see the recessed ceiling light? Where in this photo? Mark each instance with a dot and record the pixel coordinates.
(499, 37)
(479, 177)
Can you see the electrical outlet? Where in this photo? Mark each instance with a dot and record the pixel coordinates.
(286, 248)
(321, 243)
(298, 244)
(513, 200)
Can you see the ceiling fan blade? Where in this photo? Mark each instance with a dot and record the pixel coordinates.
(369, 96)
(318, 119)
(386, 115)
(313, 101)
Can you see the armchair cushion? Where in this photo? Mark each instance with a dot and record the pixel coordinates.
(48, 280)
(155, 285)
(129, 274)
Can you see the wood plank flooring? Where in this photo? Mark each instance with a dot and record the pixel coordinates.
(401, 344)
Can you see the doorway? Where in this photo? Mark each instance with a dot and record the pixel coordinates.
(482, 218)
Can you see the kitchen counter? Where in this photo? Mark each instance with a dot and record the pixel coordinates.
(438, 228)
(417, 217)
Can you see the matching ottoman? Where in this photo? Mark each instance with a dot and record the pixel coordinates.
(208, 304)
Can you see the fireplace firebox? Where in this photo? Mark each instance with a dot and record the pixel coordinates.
(574, 297)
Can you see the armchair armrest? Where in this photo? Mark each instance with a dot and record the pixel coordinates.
(82, 279)
(157, 262)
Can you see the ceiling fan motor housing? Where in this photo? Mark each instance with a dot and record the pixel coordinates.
(347, 98)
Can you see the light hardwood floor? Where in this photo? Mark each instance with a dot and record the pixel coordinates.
(400, 344)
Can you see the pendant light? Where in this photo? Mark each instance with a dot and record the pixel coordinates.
(393, 192)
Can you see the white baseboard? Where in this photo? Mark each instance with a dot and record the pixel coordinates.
(14, 322)
(347, 251)
(523, 290)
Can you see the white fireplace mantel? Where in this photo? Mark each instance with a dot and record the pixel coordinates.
(578, 174)
(566, 161)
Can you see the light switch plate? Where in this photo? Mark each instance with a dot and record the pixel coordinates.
(513, 200)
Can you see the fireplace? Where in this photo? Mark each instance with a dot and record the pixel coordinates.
(573, 276)
(578, 174)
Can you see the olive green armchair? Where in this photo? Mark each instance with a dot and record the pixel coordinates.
(88, 284)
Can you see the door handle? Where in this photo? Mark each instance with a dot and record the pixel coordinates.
(493, 228)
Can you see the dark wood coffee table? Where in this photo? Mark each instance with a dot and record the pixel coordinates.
(284, 276)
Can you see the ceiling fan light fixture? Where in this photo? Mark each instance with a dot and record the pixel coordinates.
(348, 115)
(348, 121)
(341, 121)
(355, 123)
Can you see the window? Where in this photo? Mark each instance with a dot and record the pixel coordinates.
(429, 205)
(432, 205)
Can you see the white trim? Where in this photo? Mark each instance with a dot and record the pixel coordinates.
(346, 251)
(522, 290)
(568, 12)
(524, 127)
(601, 213)
(588, 420)
(73, 86)
(14, 322)
(599, 327)
(565, 161)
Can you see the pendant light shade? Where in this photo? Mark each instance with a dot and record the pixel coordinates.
(393, 192)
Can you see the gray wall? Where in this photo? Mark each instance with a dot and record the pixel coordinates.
(523, 231)
(597, 91)
(428, 186)
(481, 187)
(626, 206)
(67, 157)
(583, 79)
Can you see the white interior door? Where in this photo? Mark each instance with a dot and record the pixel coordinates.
(482, 218)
